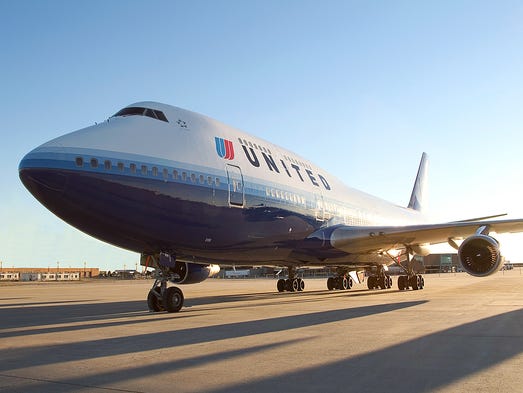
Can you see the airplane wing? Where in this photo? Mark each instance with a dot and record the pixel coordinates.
(371, 239)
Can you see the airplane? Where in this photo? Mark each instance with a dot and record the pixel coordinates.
(189, 193)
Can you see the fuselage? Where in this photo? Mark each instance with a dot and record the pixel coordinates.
(157, 178)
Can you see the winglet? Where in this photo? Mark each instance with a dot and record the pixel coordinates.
(418, 192)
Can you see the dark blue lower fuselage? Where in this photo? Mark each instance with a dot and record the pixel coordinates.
(194, 219)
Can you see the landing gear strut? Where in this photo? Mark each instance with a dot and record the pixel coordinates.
(164, 298)
(291, 284)
(411, 280)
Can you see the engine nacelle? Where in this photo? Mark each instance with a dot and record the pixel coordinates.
(192, 273)
(480, 256)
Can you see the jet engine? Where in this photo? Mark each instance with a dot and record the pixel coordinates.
(192, 273)
(480, 256)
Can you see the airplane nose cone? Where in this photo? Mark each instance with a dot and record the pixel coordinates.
(40, 176)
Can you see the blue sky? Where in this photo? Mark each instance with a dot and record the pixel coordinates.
(361, 88)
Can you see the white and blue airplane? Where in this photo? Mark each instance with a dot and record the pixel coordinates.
(190, 194)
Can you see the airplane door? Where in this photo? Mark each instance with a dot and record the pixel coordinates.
(236, 194)
(319, 209)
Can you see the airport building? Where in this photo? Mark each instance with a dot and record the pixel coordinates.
(47, 274)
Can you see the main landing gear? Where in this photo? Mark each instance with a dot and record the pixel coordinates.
(291, 284)
(411, 279)
(164, 298)
(379, 282)
(415, 281)
(340, 282)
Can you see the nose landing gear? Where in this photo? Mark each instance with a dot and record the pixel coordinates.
(164, 298)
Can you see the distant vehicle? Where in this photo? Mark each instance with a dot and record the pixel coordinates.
(190, 193)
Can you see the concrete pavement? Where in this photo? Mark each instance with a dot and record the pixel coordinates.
(459, 334)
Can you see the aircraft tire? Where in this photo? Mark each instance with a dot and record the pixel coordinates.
(343, 283)
(382, 282)
(295, 285)
(330, 283)
(414, 281)
(301, 285)
(402, 285)
(421, 281)
(173, 299)
(280, 285)
(154, 303)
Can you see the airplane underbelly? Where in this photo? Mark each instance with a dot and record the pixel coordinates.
(144, 215)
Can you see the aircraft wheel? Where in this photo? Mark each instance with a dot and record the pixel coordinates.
(421, 281)
(154, 302)
(280, 285)
(414, 281)
(330, 283)
(301, 285)
(371, 282)
(295, 285)
(401, 283)
(389, 281)
(350, 282)
(173, 299)
(382, 282)
(343, 283)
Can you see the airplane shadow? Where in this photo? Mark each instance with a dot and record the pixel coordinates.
(29, 315)
(49, 354)
(67, 312)
(422, 364)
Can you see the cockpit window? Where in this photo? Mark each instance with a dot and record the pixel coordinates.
(138, 111)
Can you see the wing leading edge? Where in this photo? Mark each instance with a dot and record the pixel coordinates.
(371, 239)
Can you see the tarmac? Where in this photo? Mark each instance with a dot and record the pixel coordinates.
(459, 334)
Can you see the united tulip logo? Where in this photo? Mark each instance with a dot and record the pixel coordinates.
(224, 148)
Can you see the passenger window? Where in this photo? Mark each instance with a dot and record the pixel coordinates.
(107, 164)
(94, 163)
(202, 179)
(120, 166)
(209, 180)
(175, 174)
(79, 161)
(184, 176)
(193, 177)
(217, 182)
(155, 171)
(144, 170)
(133, 168)
(165, 173)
